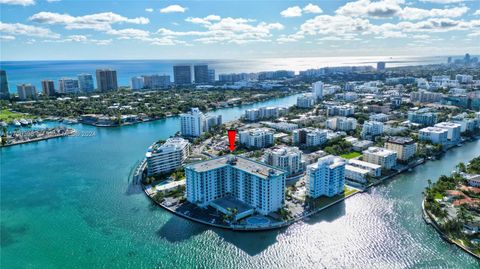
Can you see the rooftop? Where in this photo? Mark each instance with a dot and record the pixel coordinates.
(356, 169)
(400, 140)
(379, 151)
(252, 167)
(365, 164)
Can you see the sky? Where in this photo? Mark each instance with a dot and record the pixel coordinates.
(90, 29)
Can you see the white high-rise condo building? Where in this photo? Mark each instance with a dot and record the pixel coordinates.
(433, 134)
(26, 91)
(341, 123)
(405, 147)
(453, 129)
(166, 157)
(317, 90)
(326, 177)
(138, 83)
(192, 124)
(384, 157)
(258, 185)
(85, 83)
(256, 138)
(68, 85)
(309, 137)
(286, 158)
(371, 129)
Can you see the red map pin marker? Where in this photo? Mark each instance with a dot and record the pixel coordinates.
(231, 139)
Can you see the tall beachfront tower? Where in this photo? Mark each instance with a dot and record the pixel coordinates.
(201, 74)
(326, 177)
(256, 184)
(106, 80)
(317, 90)
(182, 74)
(4, 94)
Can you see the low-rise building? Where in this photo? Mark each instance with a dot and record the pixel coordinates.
(326, 177)
(381, 156)
(281, 126)
(309, 137)
(356, 174)
(405, 147)
(166, 157)
(453, 129)
(374, 170)
(306, 101)
(340, 110)
(262, 113)
(341, 124)
(434, 135)
(423, 116)
(370, 129)
(256, 138)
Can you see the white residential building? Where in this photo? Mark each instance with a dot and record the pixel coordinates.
(326, 177)
(405, 147)
(317, 90)
(286, 158)
(374, 170)
(192, 124)
(356, 174)
(167, 156)
(423, 116)
(309, 137)
(264, 113)
(68, 85)
(258, 185)
(381, 117)
(306, 101)
(341, 124)
(433, 134)
(371, 129)
(336, 110)
(256, 138)
(453, 129)
(195, 123)
(464, 78)
(381, 156)
(138, 83)
(281, 126)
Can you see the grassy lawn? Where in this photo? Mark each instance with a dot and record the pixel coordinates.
(438, 196)
(351, 155)
(323, 200)
(8, 116)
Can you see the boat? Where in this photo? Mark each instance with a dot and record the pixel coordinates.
(23, 122)
(16, 123)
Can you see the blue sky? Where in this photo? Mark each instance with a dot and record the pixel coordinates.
(73, 29)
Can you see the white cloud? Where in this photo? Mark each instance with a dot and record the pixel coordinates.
(7, 37)
(26, 30)
(81, 39)
(129, 33)
(311, 8)
(226, 30)
(291, 12)
(410, 13)
(98, 21)
(173, 9)
(149, 9)
(206, 20)
(18, 2)
(477, 12)
(443, 1)
(366, 8)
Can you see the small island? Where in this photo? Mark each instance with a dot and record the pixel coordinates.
(452, 206)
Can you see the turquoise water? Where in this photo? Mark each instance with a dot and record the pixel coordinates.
(69, 203)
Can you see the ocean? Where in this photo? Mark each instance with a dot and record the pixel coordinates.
(35, 71)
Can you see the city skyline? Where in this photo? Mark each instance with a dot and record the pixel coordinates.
(62, 30)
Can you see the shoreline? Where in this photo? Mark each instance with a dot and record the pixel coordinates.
(290, 222)
(69, 132)
(427, 217)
